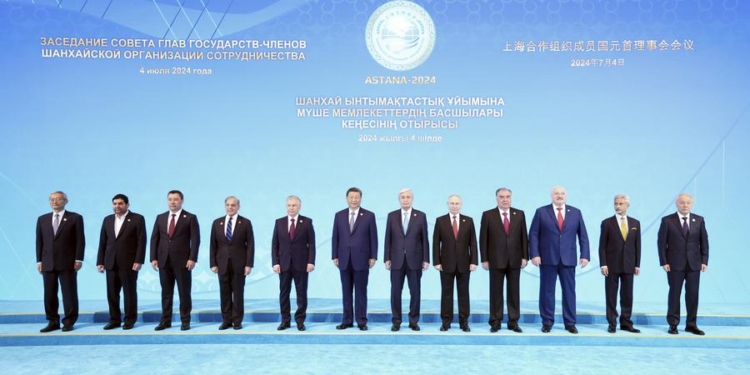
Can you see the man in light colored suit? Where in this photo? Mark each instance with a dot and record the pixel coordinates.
(293, 258)
(60, 244)
(683, 254)
(354, 250)
(232, 256)
(619, 260)
(454, 254)
(504, 245)
(552, 247)
(122, 251)
(406, 255)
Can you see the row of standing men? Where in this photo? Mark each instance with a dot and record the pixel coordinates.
(505, 246)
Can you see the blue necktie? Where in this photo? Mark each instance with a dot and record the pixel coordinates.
(685, 228)
(229, 229)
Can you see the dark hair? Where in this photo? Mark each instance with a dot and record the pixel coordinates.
(176, 192)
(354, 190)
(121, 196)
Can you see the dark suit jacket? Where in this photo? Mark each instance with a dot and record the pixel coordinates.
(454, 254)
(620, 256)
(502, 250)
(678, 251)
(553, 246)
(60, 252)
(415, 243)
(293, 253)
(183, 246)
(360, 245)
(128, 247)
(241, 249)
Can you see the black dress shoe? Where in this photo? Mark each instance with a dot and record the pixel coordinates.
(516, 329)
(546, 328)
(50, 327)
(128, 326)
(362, 327)
(494, 329)
(344, 326)
(237, 326)
(111, 326)
(444, 327)
(572, 329)
(672, 330)
(184, 326)
(414, 327)
(395, 327)
(224, 325)
(465, 328)
(162, 326)
(301, 327)
(695, 331)
(611, 328)
(630, 329)
(285, 325)
(67, 327)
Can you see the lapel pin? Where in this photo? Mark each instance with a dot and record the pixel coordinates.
(300, 221)
(66, 219)
(694, 220)
(184, 216)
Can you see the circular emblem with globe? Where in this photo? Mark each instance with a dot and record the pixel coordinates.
(400, 35)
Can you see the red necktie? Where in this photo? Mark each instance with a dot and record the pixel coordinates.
(455, 227)
(292, 228)
(506, 223)
(559, 218)
(170, 231)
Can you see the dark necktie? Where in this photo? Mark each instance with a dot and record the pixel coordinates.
(455, 227)
(170, 231)
(685, 228)
(292, 229)
(506, 223)
(229, 229)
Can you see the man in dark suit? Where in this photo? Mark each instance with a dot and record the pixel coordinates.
(122, 251)
(683, 254)
(174, 250)
(620, 259)
(552, 247)
(293, 258)
(503, 243)
(406, 255)
(454, 254)
(354, 245)
(60, 244)
(232, 255)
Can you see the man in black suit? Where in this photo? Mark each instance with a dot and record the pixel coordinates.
(683, 254)
(122, 251)
(174, 251)
(406, 255)
(232, 255)
(354, 250)
(454, 254)
(293, 258)
(60, 244)
(620, 259)
(504, 245)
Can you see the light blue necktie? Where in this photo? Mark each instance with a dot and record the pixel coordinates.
(406, 222)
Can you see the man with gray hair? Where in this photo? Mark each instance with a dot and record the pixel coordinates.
(407, 254)
(619, 260)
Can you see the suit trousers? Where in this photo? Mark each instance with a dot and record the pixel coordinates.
(67, 280)
(125, 280)
(354, 292)
(497, 279)
(232, 295)
(461, 280)
(624, 282)
(413, 277)
(170, 273)
(548, 275)
(285, 289)
(691, 279)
